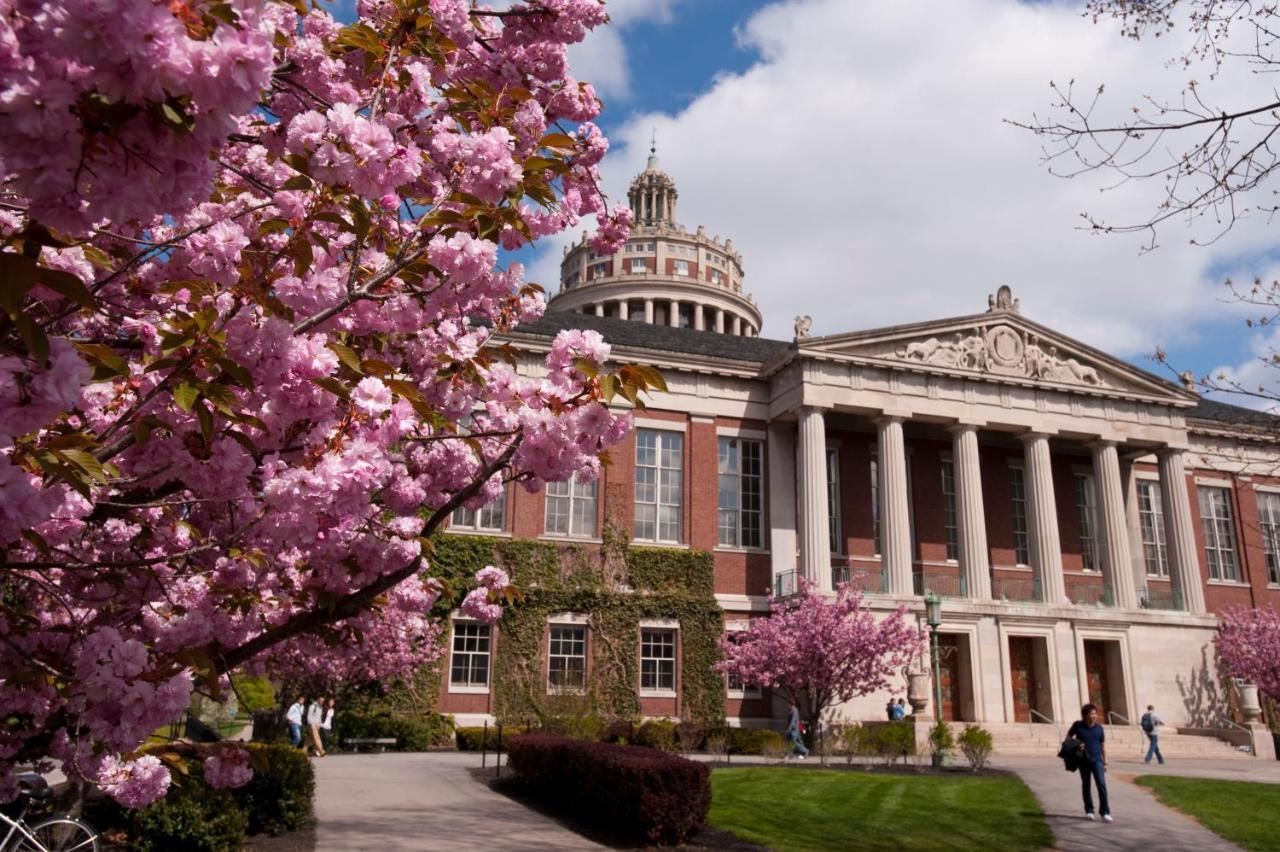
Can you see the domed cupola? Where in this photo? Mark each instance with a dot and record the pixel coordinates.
(664, 275)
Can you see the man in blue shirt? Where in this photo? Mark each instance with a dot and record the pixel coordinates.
(1093, 765)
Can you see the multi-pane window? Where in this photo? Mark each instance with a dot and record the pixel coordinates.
(949, 510)
(638, 264)
(715, 276)
(1155, 553)
(571, 507)
(659, 485)
(1269, 515)
(734, 681)
(469, 665)
(567, 657)
(835, 539)
(1021, 540)
(657, 660)
(741, 466)
(492, 517)
(682, 267)
(1086, 506)
(1219, 533)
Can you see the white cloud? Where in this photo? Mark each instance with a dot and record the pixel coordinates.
(601, 58)
(862, 168)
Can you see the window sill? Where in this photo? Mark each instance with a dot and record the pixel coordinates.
(571, 539)
(468, 690)
(657, 693)
(742, 694)
(726, 548)
(469, 531)
(1230, 584)
(670, 545)
(566, 690)
(1158, 578)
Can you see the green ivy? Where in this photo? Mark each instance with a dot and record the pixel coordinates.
(616, 587)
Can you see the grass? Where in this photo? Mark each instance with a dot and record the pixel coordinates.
(789, 808)
(1245, 812)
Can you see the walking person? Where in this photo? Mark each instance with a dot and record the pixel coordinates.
(795, 732)
(293, 718)
(1093, 760)
(315, 716)
(326, 726)
(1150, 721)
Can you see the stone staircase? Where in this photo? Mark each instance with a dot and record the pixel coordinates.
(1124, 742)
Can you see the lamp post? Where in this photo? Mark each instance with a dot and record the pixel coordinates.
(933, 616)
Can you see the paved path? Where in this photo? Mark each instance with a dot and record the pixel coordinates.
(393, 802)
(1141, 822)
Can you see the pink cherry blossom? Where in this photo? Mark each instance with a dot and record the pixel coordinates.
(1248, 644)
(135, 783)
(228, 768)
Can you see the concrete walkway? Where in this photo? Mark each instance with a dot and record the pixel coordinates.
(393, 802)
(1141, 822)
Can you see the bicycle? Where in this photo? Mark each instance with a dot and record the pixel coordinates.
(56, 834)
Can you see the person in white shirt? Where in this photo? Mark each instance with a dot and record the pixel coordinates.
(315, 715)
(326, 726)
(293, 716)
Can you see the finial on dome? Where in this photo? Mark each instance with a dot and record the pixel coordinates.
(653, 150)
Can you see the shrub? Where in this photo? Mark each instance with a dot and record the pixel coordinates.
(410, 733)
(976, 745)
(635, 793)
(779, 750)
(747, 740)
(279, 796)
(689, 736)
(620, 730)
(941, 740)
(658, 733)
(587, 727)
(895, 740)
(472, 738)
(255, 693)
(194, 817)
(857, 741)
(716, 744)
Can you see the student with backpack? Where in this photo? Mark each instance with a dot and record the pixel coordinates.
(1092, 759)
(1150, 721)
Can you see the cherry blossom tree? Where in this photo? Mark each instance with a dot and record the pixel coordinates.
(250, 302)
(1248, 643)
(819, 652)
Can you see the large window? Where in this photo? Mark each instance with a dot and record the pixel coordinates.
(469, 663)
(657, 660)
(741, 466)
(1269, 515)
(659, 485)
(735, 684)
(491, 518)
(638, 264)
(1021, 540)
(1155, 552)
(1219, 533)
(682, 267)
(875, 504)
(1087, 507)
(571, 508)
(567, 658)
(949, 510)
(834, 539)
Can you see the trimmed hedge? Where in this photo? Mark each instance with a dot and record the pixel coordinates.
(194, 817)
(472, 739)
(634, 793)
(410, 734)
(278, 797)
(747, 740)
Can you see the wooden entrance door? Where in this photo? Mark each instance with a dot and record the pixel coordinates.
(1095, 673)
(949, 676)
(1022, 674)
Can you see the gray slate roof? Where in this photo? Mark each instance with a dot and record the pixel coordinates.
(689, 341)
(1226, 414)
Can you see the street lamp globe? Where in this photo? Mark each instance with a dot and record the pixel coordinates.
(933, 610)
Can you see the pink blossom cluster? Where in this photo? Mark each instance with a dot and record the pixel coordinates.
(819, 652)
(228, 768)
(266, 368)
(1248, 644)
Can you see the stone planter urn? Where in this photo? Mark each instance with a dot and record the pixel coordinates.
(918, 691)
(1249, 704)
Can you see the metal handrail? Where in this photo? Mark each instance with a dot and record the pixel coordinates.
(1033, 712)
(1112, 715)
(1228, 724)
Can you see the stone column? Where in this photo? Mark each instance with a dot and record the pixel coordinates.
(1114, 542)
(895, 520)
(648, 311)
(815, 538)
(971, 517)
(673, 313)
(699, 318)
(781, 452)
(599, 309)
(622, 309)
(737, 325)
(719, 321)
(1179, 530)
(1042, 518)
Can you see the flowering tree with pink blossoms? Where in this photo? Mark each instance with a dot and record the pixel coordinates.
(1248, 643)
(820, 652)
(249, 293)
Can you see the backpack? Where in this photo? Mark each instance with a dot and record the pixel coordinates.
(1147, 724)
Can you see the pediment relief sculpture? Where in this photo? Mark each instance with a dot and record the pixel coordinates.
(1003, 350)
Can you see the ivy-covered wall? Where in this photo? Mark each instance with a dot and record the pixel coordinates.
(615, 585)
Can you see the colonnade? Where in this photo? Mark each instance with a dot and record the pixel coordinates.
(704, 318)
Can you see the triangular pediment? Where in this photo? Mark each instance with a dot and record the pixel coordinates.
(998, 345)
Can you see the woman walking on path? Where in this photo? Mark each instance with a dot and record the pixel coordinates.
(1093, 760)
(326, 726)
(795, 733)
(315, 717)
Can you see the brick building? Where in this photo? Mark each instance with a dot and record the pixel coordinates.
(1083, 520)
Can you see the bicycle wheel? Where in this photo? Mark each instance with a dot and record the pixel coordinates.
(60, 834)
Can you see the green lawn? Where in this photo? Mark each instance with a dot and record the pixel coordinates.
(801, 808)
(1245, 812)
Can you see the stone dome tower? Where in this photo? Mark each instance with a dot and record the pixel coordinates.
(664, 275)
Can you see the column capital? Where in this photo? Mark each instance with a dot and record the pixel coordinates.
(891, 415)
(1034, 435)
(962, 426)
(1169, 450)
(1102, 444)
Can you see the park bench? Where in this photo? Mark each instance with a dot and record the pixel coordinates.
(380, 743)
